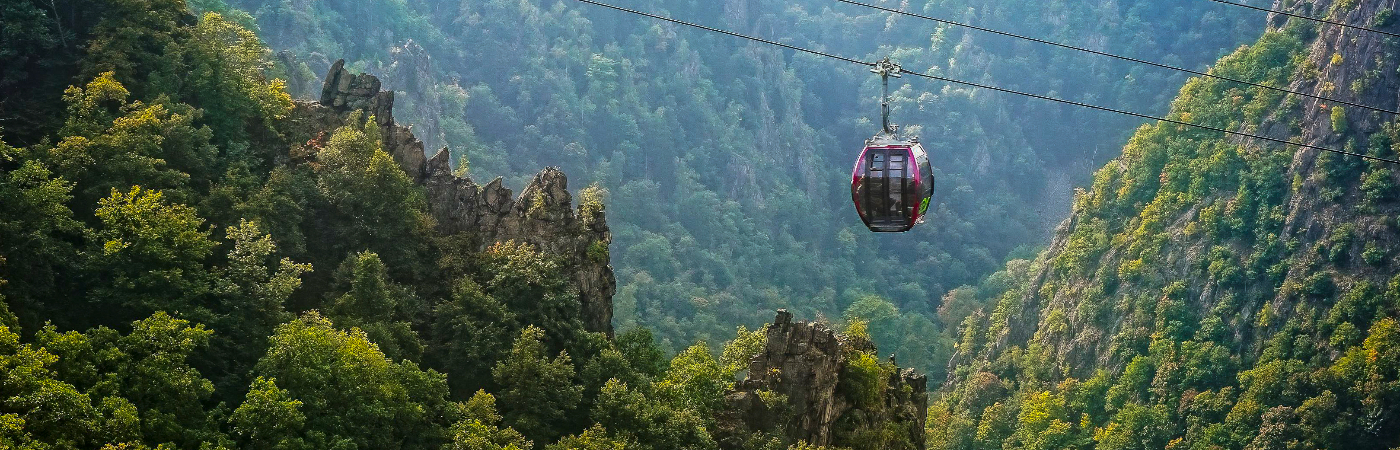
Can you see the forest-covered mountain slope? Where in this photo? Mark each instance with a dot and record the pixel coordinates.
(189, 259)
(725, 163)
(1211, 292)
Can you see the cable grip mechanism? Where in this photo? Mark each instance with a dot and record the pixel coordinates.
(886, 69)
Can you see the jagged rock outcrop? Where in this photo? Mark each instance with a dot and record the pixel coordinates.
(807, 368)
(543, 215)
(344, 93)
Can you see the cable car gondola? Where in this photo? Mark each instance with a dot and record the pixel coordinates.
(892, 183)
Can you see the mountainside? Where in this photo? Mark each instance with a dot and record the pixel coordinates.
(1206, 291)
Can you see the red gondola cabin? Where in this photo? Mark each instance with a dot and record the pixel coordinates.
(892, 184)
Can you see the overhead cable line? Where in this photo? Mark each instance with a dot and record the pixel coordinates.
(994, 88)
(1314, 19)
(1124, 58)
(731, 33)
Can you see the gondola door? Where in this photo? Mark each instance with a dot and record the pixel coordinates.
(884, 188)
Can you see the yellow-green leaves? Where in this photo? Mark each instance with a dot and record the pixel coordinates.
(144, 223)
(349, 390)
(269, 417)
(233, 59)
(108, 143)
(94, 104)
(536, 392)
(695, 381)
(745, 345)
(480, 429)
(150, 252)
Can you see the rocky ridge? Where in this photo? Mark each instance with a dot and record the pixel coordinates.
(542, 215)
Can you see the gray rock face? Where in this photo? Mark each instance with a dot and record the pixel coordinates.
(804, 363)
(543, 215)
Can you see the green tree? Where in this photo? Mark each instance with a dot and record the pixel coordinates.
(371, 204)
(537, 393)
(39, 411)
(739, 351)
(150, 254)
(643, 355)
(108, 143)
(351, 393)
(594, 438)
(695, 381)
(378, 306)
(135, 39)
(468, 335)
(251, 303)
(37, 235)
(534, 287)
(630, 416)
(150, 367)
(226, 65)
(37, 59)
(269, 418)
(480, 428)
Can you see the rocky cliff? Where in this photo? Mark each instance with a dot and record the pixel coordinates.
(542, 215)
(812, 384)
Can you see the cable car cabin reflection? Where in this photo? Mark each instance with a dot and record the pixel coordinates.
(892, 185)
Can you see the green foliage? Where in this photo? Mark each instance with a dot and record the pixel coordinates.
(649, 424)
(739, 351)
(595, 438)
(1187, 311)
(226, 64)
(695, 381)
(39, 410)
(1383, 17)
(152, 252)
(536, 392)
(1342, 6)
(641, 351)
(709, 236)
(35, 230)
(269, 418)
(371, 202)
(480, 428)
(148, 369)
(590, 200)
(865, 379)
(468, 333)
(681, 136)
(252, 299)
(377, 306)
(109, 143)
(351, 393)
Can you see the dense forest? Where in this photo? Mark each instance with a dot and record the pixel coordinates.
(723, 161)
(227, 224)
